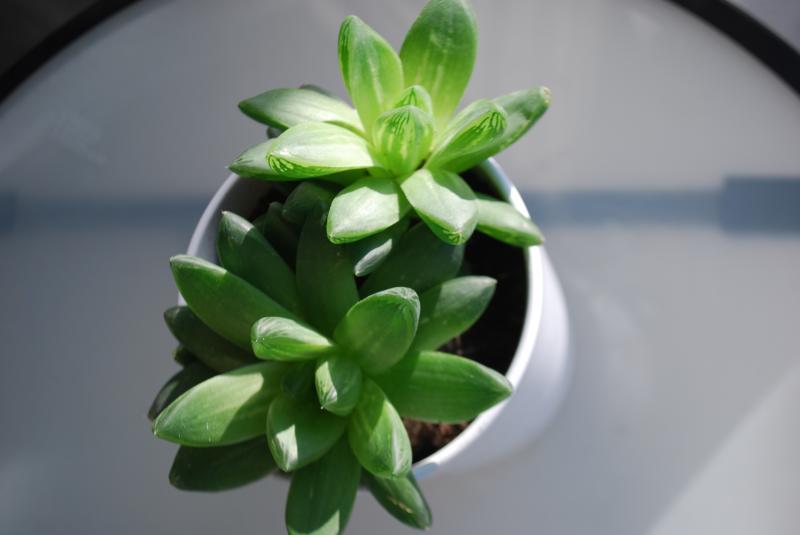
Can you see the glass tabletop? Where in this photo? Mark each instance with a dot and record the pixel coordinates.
(666, 176)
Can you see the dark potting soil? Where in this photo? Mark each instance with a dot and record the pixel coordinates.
(493, 339)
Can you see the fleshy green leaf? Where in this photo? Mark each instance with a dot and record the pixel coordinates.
(285, 339)
(298, 383)
(225, 409)
(368, 253)
(244, 251)
(377, 435)
(378, 330)
(444, 201)
(278, 232)
(438, 53)
(322, 494)
(371, 70)
(252, 163)
(417, 96)
(183, 356)
(324, 278)
(306, 199)
(404, 267)
(192, 375)
(317, 88)
(402, 137)
(366, 207)
(523, 109)
(338, 381)
(471, 137)
(284, 188)
(206, 345)
(503, 222)
(451, 308)
(222, 468)
(315, 149)
(299, 432)
(438, 387)
(226, 303)
(287, 107)
(345, 178)
(401, 498)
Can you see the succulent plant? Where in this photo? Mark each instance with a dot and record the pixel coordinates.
(301, 370)
(400, 151)
(319, 330)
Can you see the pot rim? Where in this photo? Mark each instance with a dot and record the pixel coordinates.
(534, 269)
(533, 310)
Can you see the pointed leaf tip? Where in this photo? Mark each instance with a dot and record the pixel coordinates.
(450, 308)
(245, 252)
(377, 435)
(439, 51)
(252, 163)
(369, 253)
(416, 96)
(299, 432)
(285, 339)
(402, 498)
(371, 70)
(226, 409)
(523, 109)
(503, 222)
(286, 107)
(378, 330)
(193, 374)
(338, 380)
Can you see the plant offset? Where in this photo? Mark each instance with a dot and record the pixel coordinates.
(318, 332)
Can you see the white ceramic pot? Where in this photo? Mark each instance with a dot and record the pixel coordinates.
(539, 370)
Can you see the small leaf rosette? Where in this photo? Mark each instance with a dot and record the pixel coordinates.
(400, 151)
(310, 374)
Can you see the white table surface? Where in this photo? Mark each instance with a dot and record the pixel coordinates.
(683, 412)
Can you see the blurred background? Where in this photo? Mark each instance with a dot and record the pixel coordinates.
(666, 177)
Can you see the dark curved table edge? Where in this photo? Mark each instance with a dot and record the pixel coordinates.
(764, 44)
(58, 40)
(767, 46)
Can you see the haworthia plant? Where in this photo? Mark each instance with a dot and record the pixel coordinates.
(403, 133)
(321, 325)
